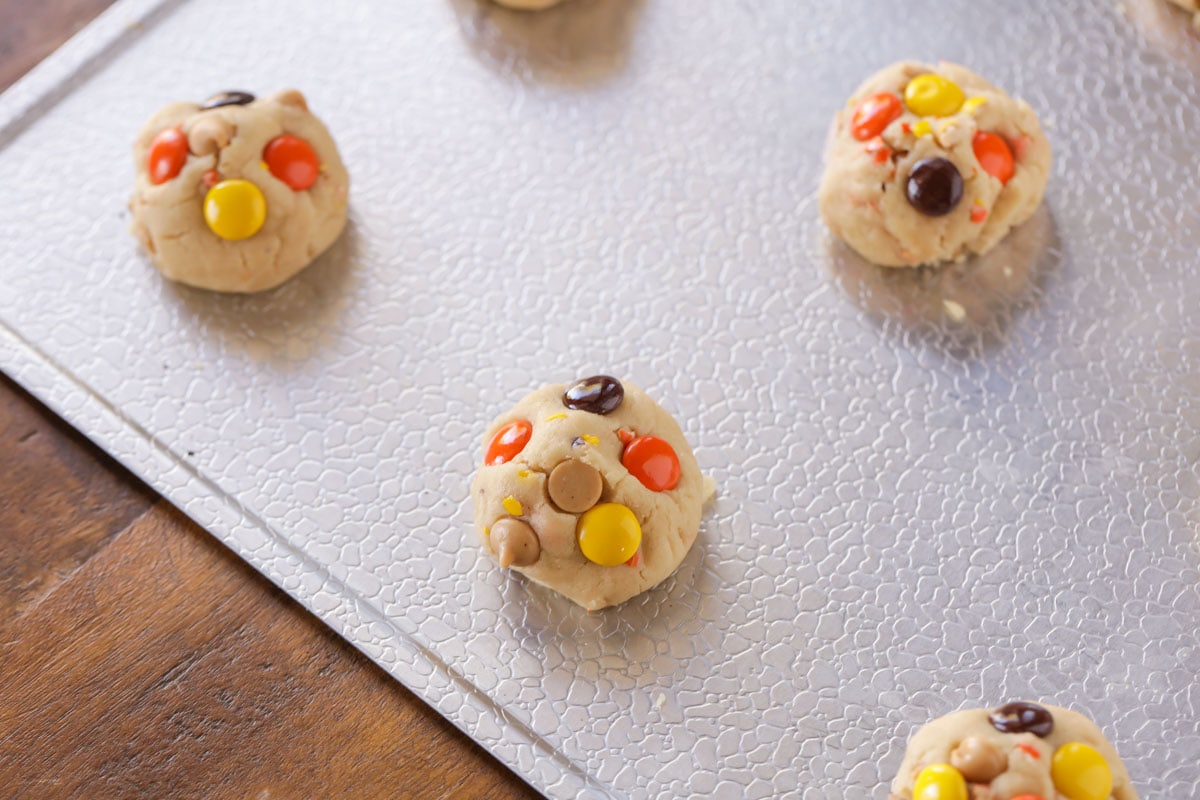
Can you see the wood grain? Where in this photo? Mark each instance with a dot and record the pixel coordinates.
(165, 667)
(30, 30)
(62, 502)
(141, 659)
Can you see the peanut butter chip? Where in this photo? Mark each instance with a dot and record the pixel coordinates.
(515, 543)
(575, 486)
(978, 760)
(208, 135)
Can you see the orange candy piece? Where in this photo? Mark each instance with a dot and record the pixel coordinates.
(293, 161)
(653, 462)
(994, 155)
(1028, 797)
(168, 153)
(874, 114)
(508, 442)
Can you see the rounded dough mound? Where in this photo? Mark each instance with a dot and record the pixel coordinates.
(1194, 7)
(528, 5)
(862, 195)
(168, 218)
(1022, 773)
(669, 520)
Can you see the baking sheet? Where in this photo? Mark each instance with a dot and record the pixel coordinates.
(937, 489)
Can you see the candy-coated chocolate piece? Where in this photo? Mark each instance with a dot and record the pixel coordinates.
(168, 153)
(1081, 773)
(599, 394)
(940, 782)
(994, 155)
(609, 534)
(874, 114)
(293, 161)
(653, 462)
(1022, 717)
(978, 214)
(931, 95)
(235, 209)
(509, 441)
(515, 543)
(934, 187)
(923, 127)
(229, 98)
(575, 486)
(979, 760)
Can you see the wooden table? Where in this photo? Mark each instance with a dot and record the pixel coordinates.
(141, 659)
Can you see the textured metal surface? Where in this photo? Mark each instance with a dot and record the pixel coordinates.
(936, 490)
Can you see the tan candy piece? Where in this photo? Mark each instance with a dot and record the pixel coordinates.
(575, 486)
(209, 134)
(515, 543)
(978, 760)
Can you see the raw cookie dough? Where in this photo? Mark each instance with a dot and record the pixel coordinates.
(528, 5)
(1019, 750)
(1194, 7)
(589, 489)
(237, 194)
(928, 164)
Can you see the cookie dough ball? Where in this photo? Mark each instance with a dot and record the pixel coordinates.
(237, 194)
(928, 164)
(1019, 750)
(1192, 6)
(589, 489)
(528, 5)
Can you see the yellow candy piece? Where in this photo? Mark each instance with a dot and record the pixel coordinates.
(513, 506)
(609, 534)
(922, 128)
(1081, 773)
(235, 209)
(940, 782)
(932, 95)
(555, 416)
(592, 440)
(973, 103)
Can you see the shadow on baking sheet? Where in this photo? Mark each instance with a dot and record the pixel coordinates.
(1167, 27)
(287, 324)
(576, 43)
(535, 613)
(966, 308)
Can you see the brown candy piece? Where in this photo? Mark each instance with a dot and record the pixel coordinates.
(575, 486)
(934, 187)
(978, 760)
(1021, 717)
(599, 394)
(232, 97)
(515, 543)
